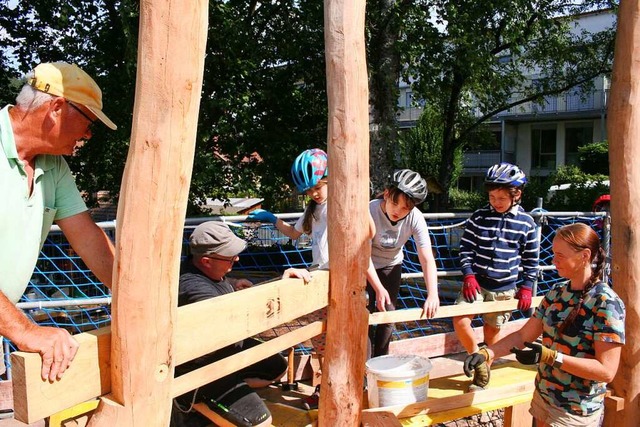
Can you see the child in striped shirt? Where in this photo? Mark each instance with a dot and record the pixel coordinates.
(498, 239)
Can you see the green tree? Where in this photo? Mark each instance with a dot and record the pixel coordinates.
(594, 158)
(465, 53)
(263, 96)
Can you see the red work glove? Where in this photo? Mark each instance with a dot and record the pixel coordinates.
(524, 299)
(470, 287)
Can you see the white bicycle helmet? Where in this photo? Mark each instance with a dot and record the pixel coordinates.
(505, 174)
(411, 184)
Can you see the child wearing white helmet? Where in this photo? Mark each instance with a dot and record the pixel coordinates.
(396, 220)
(498, 239)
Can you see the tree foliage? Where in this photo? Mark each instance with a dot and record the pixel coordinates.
(594, 157)
(471, 60)
(263, 97)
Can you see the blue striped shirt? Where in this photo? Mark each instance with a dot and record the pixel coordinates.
(494, 245)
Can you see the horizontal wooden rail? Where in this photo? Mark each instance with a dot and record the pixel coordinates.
(410, 314)
(215, 370)
(243, 314)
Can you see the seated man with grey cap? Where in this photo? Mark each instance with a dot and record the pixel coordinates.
(214, 248)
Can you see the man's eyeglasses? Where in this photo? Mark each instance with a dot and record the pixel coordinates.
(92, 122)
(225, 259)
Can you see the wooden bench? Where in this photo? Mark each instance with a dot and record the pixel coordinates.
(511, 386)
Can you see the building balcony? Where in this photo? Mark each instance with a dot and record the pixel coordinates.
(565, 105)
(560, 106)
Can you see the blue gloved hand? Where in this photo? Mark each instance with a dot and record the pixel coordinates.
(262, 215)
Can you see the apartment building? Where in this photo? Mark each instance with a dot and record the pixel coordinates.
(539, 137)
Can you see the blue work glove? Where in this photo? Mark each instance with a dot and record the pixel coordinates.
(470, 288)
(524, 299)
(262, 216)
(537, 353)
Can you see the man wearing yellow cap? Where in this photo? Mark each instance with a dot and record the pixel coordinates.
(54, 113)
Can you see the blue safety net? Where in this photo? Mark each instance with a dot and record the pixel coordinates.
(64, 293)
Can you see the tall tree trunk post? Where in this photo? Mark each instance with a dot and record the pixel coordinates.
(348, 213)
(624, 152)
(152, 211)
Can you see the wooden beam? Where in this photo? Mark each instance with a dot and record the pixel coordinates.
(511, 391)
(246, 313)
(87, 378)
(348, 212)
(265, 306)
(448, 311)
(518, 415)
(380, 419)
(446, 343)
(152, 209)
(623, 126)
(231, 364)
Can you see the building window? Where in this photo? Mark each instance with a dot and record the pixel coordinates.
(408, 99)
(543, 146)
(576, 135)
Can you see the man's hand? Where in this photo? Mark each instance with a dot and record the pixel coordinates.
(298, 273)
(262, 215)
(55, 345)
(430, 306)
(470, 288)
(240, 284)
(524, 299)
(537, 353)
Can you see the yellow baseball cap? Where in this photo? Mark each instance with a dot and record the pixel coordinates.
(70, 82)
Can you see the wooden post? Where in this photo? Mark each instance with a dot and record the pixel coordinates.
(348, 213)
(152, 210)
(623, 125)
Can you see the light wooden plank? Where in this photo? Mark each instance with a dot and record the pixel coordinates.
(89, 382)
(246, 313)
(445, 343)
(380, 419)
(448, 311)
(445, 394)
(206, 374)
(87, 377)
(433, 418)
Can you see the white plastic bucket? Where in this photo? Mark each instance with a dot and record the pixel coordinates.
(397, 380)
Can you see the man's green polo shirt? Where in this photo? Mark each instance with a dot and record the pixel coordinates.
(25, 219)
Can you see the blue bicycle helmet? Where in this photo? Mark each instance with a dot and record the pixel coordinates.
(309, 168)
(505, 174)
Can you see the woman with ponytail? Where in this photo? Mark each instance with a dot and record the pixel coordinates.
(582, 326)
